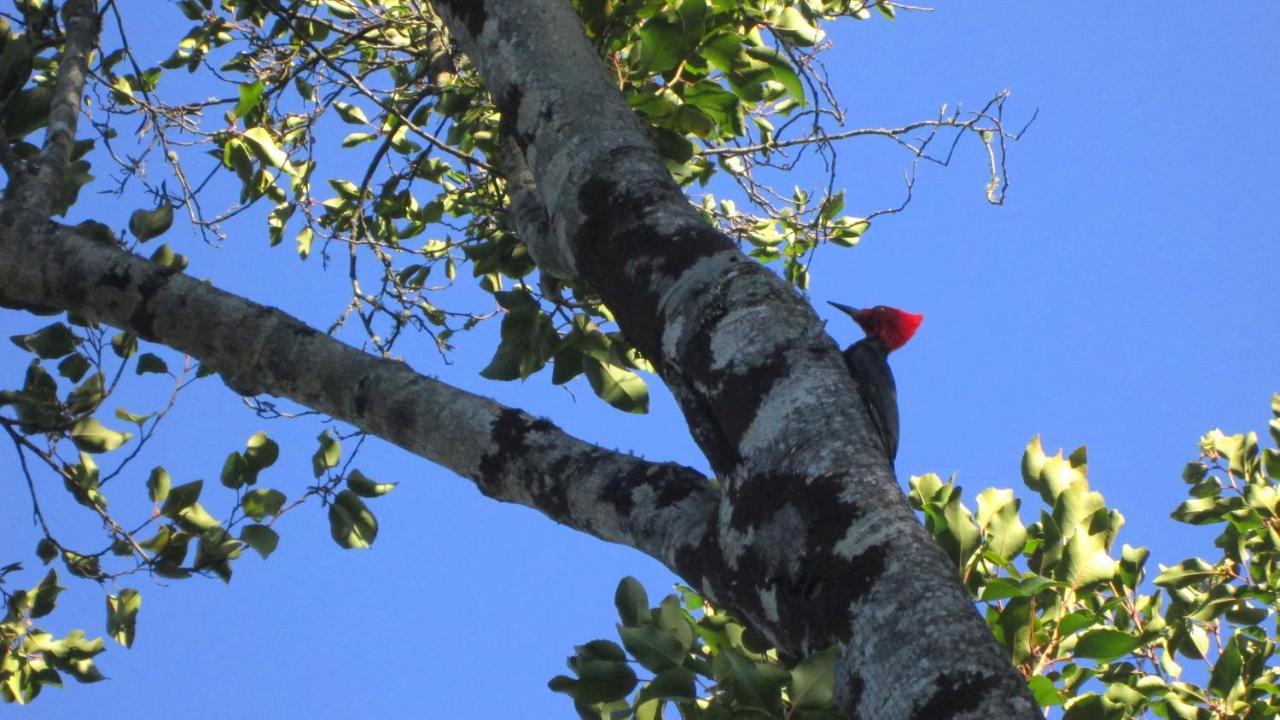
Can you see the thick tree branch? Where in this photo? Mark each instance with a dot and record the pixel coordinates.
(38, 189)
(816, 545)
(662, 509)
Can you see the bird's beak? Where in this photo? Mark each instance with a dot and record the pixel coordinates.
(850, 311)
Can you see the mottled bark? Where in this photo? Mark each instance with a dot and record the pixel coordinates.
(811, 539)
(815, 543)
(660, 508)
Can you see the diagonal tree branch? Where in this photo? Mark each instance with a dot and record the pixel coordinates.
(663, 509)
(815, 542)
(38, 189)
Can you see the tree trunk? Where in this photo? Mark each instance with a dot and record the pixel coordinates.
(810, 537)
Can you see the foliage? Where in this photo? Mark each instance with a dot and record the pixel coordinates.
(730, 89)
(56, 423)
(1075, 615)
(239, 122)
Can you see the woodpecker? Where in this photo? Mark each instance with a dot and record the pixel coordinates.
(887, 330)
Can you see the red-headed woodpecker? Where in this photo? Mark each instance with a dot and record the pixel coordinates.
(887, 330)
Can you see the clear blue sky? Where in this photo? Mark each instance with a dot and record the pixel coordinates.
(1124, 298)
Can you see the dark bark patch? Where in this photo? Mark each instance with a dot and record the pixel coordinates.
(360, 401)
(470, 12)
(673, 486)
(740, 400)
(117, 278)
(508, 104)
(143, 319)
(814, 608)
(818, 500)
(403, 415)
(618, 491)
(757, 498)
(955, 693)
(747, 582)
(691, 243)
(696, 358)
(856, 687)
(509, 432)
(836, 584)
(724, 458)
(622, 254)
(76, 288)
(550, 491)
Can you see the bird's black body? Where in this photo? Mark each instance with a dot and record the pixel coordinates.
(868, 363)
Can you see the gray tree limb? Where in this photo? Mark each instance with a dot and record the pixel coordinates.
(815, 542)
(812, 540)
(660, 508)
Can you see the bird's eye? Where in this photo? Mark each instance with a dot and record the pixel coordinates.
(881, 308)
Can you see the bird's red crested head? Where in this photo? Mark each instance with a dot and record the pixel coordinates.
(894, 327)
(889, 325)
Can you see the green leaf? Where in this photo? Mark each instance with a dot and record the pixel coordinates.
(351, 114)
(124, 344)
(73, 367)
(617, 386)
(46, 550)
(264, 146)
(350, 522)
(122, 615)
(146, 224)
(653, 649)
(528, 339)
(233, 471)
(303, 239)
(601, 650)
(44, 596)
(125, 416)
(1106, 644)
(781, 69)
(1226, 671)
(87, 396)
(1046, 694)
(181, 497)
(1188, 572)
(261, 538)
(1012, 628)
(260, 452)
(675, 683)
(792, 27)
(262, 502)
(50, 342)
(674, 621)
(250, 96)
(813, 680)
(598, 681)
(165, 256)
(632, 602)
(960, 537)
(158, 484)
(148, 363)
(755, 684)
(91, 436)
(660, 46)
(1086, 561)
(364, 487)
(195, 518)
(568, 365)
(358, 138)
(327, 456)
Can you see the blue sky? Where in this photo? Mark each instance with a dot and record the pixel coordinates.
(1123, 298)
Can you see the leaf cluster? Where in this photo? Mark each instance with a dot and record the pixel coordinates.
(59, 428)
(1078, 617)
